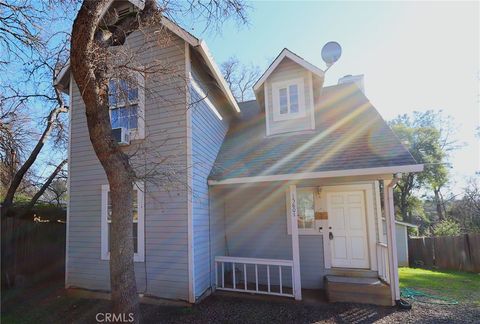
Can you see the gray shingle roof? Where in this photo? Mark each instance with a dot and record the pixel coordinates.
(349, 134)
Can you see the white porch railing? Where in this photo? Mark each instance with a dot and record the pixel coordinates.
(240, 270)
(383, 264)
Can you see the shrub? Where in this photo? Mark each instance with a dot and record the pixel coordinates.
(447, 227)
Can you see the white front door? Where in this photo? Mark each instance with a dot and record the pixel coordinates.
(348, 229)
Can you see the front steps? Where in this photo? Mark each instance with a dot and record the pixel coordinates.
(348, 272)
(365, 290)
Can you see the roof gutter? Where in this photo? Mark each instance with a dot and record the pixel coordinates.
(319, 175)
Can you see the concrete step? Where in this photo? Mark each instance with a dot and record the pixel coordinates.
(345, 272)
(357, 290)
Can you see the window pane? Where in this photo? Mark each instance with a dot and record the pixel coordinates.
(126, 117)
(122, 93)
(306, 209)
(133, 94)
(114, 118)
(133, 117)
(109, 207)
(112, 91)
(283, 101)
(135, 205)
(135, 237)
(293, 92)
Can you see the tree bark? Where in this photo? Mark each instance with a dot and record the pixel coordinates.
(90, 70)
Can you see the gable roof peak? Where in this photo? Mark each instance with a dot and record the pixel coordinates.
(286, 53)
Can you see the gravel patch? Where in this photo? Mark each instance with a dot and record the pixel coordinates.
(227, 309)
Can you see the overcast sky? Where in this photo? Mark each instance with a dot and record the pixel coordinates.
(415, 56)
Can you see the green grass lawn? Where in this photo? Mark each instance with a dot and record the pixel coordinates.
(462, 286)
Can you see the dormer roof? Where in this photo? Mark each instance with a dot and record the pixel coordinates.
(286, 53)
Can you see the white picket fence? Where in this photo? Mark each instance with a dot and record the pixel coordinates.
(383, 264)
(238, 274)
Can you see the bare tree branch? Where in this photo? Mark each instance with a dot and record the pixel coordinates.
(47, 183)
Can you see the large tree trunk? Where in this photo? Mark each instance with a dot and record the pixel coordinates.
(89, 69)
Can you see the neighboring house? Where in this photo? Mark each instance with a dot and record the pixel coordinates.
(281, 193)
(401, 230)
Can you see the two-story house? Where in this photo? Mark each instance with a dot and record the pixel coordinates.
(281, 193)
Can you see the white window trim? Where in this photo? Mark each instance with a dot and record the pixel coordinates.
(139, 132)
(140, 255)
(276, 86)
(302, 231)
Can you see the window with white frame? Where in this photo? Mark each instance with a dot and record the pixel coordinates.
(138, 216)
(126, 100)
(306, 211)
(288, 99)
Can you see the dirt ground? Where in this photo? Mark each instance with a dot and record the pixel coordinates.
(48, 303)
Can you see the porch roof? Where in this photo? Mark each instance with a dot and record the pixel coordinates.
(350, 135)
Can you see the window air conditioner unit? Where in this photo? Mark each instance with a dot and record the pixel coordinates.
(121, 135)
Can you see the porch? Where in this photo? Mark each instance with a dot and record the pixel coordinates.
(269, 250)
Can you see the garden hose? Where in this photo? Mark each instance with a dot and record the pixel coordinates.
(414, 295)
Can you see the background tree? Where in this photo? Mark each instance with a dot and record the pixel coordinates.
(427, 135)
(32, 110)
(446, 227)
(240, 78)
(466, 211)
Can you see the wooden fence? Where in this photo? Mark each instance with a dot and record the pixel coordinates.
(446, 252)
(39, 248)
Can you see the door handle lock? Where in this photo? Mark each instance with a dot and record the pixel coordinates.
(330, 235)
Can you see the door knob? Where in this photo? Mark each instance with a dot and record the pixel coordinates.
(330, 235)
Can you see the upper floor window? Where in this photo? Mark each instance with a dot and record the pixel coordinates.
(288, 99)
(126, 101)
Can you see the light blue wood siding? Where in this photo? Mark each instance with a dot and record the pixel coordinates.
(165, 270)
(402, 244)
(256, 227)
(208, 132)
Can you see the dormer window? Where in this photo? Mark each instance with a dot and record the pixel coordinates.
(288, 99)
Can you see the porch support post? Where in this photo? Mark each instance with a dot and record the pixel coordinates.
(297, 285)
(391, 239)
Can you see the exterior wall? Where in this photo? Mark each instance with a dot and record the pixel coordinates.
(255, 222)
(287, 70)
(402, 245)
(251, 221)
(208, 132)
(165, 270)
(218, 244)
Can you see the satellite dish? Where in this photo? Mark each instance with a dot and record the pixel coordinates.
(331, 52)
